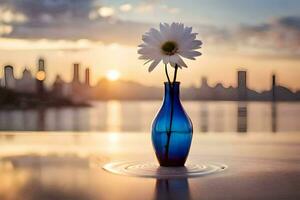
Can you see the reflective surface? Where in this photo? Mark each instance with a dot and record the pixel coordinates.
(148, 169)
(137, 116)
(67, 165)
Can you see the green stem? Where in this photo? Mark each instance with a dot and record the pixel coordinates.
(169, 131)
(175, 73)
(166, 70)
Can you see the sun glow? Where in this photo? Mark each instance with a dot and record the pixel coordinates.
(40, 75)
(113, 75)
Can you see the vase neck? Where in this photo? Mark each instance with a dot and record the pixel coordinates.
(172, 91)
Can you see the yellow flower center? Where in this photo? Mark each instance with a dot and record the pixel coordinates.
(169, 48)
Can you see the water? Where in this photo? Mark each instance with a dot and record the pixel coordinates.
(136, 116)
(153, 170)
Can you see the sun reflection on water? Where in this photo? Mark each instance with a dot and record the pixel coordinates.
(113, 142)
(114, 118)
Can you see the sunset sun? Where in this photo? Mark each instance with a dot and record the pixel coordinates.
(113, 75)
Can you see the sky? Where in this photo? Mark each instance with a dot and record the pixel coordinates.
(260, 36)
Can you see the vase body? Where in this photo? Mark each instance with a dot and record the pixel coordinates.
(172, 130)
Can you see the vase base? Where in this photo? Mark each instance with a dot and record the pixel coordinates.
(171, 164)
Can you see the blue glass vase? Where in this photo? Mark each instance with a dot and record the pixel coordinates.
(172, 129)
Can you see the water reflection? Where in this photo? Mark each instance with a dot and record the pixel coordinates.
(204, 118)
(116, 116)
(274, 117)
(41, 119)
(113, 119)
(37, 177)
(36, 190)
(219, 119)
(242, 117)
(172, 189)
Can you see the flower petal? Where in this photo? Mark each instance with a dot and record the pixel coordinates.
(190, 54)
(180, 62)
(148, 61)
(156, 34)
(166, 59)
(153, 65)
(165, 30)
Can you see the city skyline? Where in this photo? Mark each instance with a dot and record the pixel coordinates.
(104, 35)
(51, 77)
(111, 87)
(288, 70)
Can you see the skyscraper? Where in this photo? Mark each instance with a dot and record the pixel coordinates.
(40, 76)
(41, 65)
(57, 88)
(205, 90)
(9, 79)
(204, 82)
(76, 73)
(273, 87)
(87, 77)
(26, 83)
(242, 85)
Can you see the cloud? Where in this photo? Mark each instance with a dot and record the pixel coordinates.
(125, 32)
(73, 20)
(90, 19)
(10, 16)
(144, 8)
(5, 29)
(69, 20)
(279, 36)
(151, 5)
(8, 44)
(171, 10)
(125, 7)
(106, 11)
(50, 12)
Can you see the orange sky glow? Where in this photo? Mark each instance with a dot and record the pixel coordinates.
(218, 65)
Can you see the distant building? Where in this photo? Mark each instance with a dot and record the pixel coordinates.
(76, 73)
(41, 65)
(273, 87)
(205, 91)
(242, 85)
(87, 77)
(40, 77)
(61, 89)
(57, 88)
(9, 79)
(219, 91)
(76, 86)
(26, 83)
(78, 90)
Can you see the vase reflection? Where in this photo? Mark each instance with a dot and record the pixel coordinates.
(172, 189)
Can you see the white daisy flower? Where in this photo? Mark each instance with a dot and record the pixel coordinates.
(169, 44)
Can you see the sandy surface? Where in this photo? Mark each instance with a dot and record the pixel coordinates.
(68, 166)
